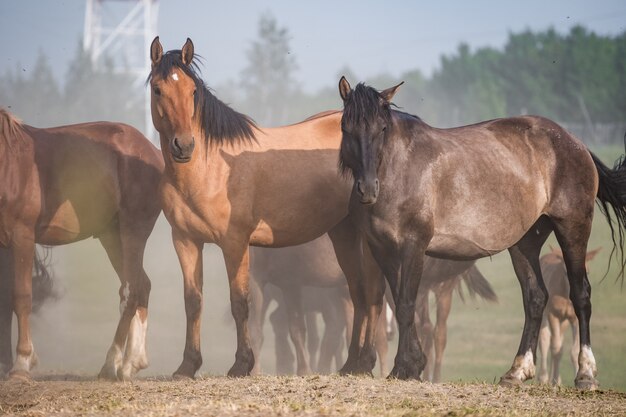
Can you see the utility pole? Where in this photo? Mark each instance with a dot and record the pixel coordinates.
(123, 29)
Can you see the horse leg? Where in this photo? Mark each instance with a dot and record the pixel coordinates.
(312, 338)
(190, 258)
(556, 348)
(23, 253)
(410, 359)
(255, 326)
(284, 356)
(424, 328)
(126, 254)
(382, 344)
(297, 327)
(544, 347)
(575, 343)
(347, 245)
(572, 235)
(444, 305)
(525, 257)
(333, 327)
(237, 257)
(6, 310)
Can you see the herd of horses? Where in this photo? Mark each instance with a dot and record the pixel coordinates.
(403, 205)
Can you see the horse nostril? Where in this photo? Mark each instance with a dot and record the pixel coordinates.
(177, 145)
(359, 187)
(377, 186)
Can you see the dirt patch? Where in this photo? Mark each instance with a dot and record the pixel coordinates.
(314, 395)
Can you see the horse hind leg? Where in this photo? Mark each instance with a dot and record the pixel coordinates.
(573, 234)
(127, 353)
(544, 347)
(525, 258)
(6, 310)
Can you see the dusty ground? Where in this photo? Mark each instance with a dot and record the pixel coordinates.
(314, 395)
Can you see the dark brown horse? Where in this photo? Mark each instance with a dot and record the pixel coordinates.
(64, 184)
(231, 183)
(558, 314)
(43, 290)
(470, 192)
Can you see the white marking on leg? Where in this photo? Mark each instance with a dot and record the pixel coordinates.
(25, 363)
(586, 363)
(124, 298)
(523, 367)
(135, 357)
(389, 318)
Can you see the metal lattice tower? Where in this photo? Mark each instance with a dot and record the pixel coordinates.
(124, 29)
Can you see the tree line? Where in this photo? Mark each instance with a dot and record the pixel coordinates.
(577, 78)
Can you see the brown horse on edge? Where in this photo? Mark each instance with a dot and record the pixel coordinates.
(470, 192)
(64, 184)
(231, 183)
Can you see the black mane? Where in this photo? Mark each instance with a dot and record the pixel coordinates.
(363, 106)
(219, 123)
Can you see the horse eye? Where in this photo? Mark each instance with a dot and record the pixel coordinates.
(194, 92)
(157, 91)
(384, 128)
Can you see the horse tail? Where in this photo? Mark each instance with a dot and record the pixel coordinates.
(612, 193)
(43, 279)
(477, 284)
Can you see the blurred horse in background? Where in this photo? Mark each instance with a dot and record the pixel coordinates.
(297, 270)
(43, 290)
(63, 184)
(557, 316)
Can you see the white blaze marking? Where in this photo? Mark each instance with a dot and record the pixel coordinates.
(175, 77)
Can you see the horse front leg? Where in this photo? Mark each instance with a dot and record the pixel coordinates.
(190, 257)
(6, 310)
(23, 253)
(410, 360)
(237, 258)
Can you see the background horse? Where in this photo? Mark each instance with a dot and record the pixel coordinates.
(64, 184)
(470, 192)
(297, 269)
(43, 290)
(228, 182)
(558, 314)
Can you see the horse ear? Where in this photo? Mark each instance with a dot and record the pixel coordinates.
(390, 92)
(187, 52)
(156, 51)
(344, 88)
(592, 254)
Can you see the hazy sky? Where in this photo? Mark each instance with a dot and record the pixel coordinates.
(368, 36)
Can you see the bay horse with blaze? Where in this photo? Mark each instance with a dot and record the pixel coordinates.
(229, 182)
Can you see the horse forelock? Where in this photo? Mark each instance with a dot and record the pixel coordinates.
(10, 128)
(364, 106)
(218, 122)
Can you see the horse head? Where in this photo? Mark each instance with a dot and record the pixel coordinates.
(174, 98)
(365, 124)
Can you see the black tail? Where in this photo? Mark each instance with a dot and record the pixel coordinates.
(43, 288)
(612, 193)
(477, 284)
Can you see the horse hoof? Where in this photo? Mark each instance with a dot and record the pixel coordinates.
(239, 370)
(509, 381)
(176, 376)
(586, 383)
(20, 375)
(404, 373)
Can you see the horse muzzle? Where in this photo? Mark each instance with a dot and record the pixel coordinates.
(368, 191)
(181, 150)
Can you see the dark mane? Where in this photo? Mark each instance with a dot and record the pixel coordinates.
(218, 122)
(10, 128)
(363, 106)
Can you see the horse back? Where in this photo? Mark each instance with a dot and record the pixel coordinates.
(90, 173)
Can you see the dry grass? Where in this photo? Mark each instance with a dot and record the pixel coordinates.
(314, 395)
